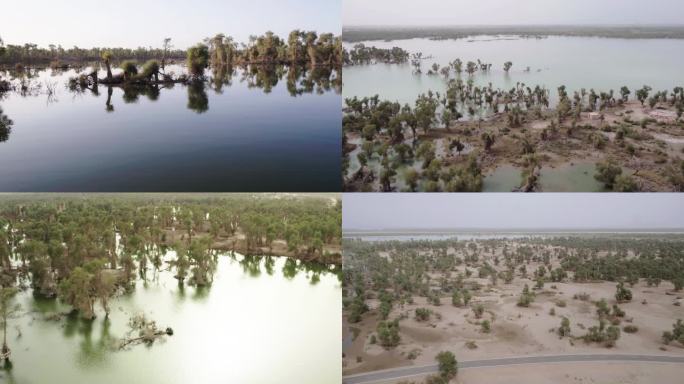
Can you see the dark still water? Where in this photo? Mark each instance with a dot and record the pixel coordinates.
(257, 129)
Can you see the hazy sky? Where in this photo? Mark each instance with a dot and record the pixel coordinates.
(133, 23)
(511, 210)
(464, 12)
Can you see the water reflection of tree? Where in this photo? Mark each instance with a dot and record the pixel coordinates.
(222, 75)
(91, 352)
(5, 126)
(299, 80)
(6, 372)
(252, 265)
(198, 100)
(131, 93)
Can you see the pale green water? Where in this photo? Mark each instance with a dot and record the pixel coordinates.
(575, 62)
(575, 177)
(504, 178)
(255, 324)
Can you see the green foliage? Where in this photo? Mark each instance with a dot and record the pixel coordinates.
(677, 333)
(623, 294)
(388, 333)
(423, 314)
(150, 69)
(197, 59)
(486, 326)
(602, 334)
(130, 68)
(564, 329)
(448, 366)
(607, 172)
(526, 297)
(478, 310)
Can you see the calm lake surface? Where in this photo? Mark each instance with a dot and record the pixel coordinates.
(258, 129)
(576, 62)
(263, 320)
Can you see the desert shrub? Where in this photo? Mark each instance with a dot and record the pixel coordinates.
(486, 326)
(388, 333)
(564, 329)
(630, 328)
(478, 310)
(606, 172)
(423, 314)
(413, 354)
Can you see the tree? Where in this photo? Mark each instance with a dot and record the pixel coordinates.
(623, 294)
(488, 140)
(166, 47)
(197, 60)
(607, 171)
(564, 329)
(388, 333)
(130, 69)
(507, 66)
(448, 366)
(526, 297)
(642, 94)
(624, 92)
(7, 310)
(107, 58)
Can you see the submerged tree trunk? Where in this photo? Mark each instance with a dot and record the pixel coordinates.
(109, 70)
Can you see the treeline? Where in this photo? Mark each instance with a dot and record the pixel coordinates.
(82, 249)
(355, 34)
(29, 54)
(394, 271)
(300, 47)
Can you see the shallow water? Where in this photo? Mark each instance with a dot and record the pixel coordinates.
(577, 177)
(255, 130)
(504, 178)
(257, 323)
(575, 62)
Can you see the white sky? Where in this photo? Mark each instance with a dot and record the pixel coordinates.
(132, 23)
(511, 12)
(512, 210)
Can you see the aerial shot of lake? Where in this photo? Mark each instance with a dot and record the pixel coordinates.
(576, 62)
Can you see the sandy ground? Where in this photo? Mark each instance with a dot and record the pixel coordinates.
(516, 331)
